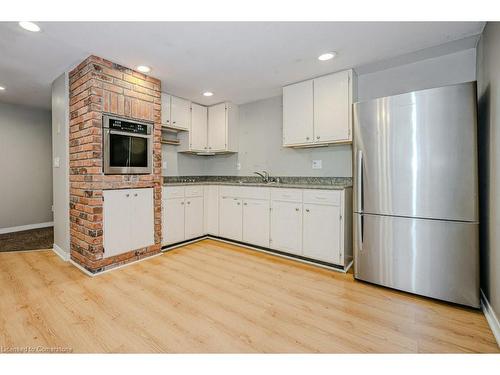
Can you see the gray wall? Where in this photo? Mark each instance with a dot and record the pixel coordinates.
(25, 165)
(261, 124)
(439, 71)
(489, 161)
(60, 149)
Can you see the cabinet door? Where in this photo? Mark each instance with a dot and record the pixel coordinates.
(142, 218)
(298, 113)
(322, 232)
(231, 218)
(217, 127)
(211, 209)
(173, 223)
(180, 112)
(193, 217)
(165, 108)
(256, 222)
(117, 207)
(331, 108)
(198, 131)
(286, 227)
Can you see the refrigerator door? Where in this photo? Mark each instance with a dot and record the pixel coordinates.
(415, 154)
(433, 258)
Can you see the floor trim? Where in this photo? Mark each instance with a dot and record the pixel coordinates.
(491, 317)
(26, 227)
(60, 252)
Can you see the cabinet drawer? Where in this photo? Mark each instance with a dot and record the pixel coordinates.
(170, 192)
(331, 197)
(286, 195)
(194, 191)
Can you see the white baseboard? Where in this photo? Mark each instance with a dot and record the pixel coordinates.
(60, 252)
(491, 317)
(26, 227)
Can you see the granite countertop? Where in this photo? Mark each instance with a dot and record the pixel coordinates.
(329, 183)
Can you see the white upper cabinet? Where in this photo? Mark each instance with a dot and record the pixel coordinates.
(217, 125)
(180, 116)
(318, 111)
(298, 113)
(175, 112)
(199, 128)
(214, 130)
(165, 108)
(332, 108)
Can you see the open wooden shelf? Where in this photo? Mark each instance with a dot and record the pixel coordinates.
(172, 129)
(174, 142)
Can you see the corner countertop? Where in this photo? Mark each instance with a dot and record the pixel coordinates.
(327, 183)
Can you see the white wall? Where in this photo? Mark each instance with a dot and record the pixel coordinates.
(60, 149)
(25, 166)
(489, 161)
(178, 164)
(260, 139)
(439, 71)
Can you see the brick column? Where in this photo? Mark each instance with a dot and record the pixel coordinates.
(98, 86)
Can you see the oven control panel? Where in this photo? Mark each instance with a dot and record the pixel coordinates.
(129, 126)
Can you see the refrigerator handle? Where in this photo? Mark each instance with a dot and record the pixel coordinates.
(360, 181)
(360, 231)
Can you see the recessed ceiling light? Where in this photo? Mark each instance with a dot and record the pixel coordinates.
(208, 93)
(30, 26)
(2, 88)
(143, 69)
(327, 56)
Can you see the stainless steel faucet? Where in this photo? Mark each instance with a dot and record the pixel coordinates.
(264, 175)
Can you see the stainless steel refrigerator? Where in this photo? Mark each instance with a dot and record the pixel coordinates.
(416, 193)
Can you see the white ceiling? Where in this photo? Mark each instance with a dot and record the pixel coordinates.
(238, 61)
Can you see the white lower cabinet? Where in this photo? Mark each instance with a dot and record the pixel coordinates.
(193, 217)
(211, 209)
(321, 232)
(231, 218)
(256, 222)
(128, 220)
(286, 227)
(173, 220)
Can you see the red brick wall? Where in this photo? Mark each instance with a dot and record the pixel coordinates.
(99, 86)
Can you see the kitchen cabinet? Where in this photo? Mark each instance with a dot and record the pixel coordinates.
(176, 112)
(318, 112)
(321, 232)
(211, 209)
(193, 217)
(128, 220)
(199, 128)
(182, 213)
(256, 222)
(173, 220)
(298, 115)
(286, 226)
(218, 136)
(231, 218)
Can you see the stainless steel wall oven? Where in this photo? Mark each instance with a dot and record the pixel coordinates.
(128, 146)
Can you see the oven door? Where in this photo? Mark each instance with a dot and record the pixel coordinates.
(127, 153)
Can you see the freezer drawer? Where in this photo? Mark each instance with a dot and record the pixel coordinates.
(433, 258)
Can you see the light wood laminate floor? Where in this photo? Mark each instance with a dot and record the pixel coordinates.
(215, 297)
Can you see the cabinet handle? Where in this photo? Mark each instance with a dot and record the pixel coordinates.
(168, 121)
(174, 122)
(182, 202)
(307, 209)
(238, 203)
(317, 137)
(307, 138)
(188, 202)
(244, 204)
(127, 195)
(135, 195)
(297, 209)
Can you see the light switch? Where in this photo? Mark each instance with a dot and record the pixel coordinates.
(238, 166)
(57, 162)
(317, 164)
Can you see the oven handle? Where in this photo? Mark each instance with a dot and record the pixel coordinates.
(129, 134)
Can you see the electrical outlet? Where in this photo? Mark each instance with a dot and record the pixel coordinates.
(238, 166)
(164, 165)
(57, 162)
(317, 164)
